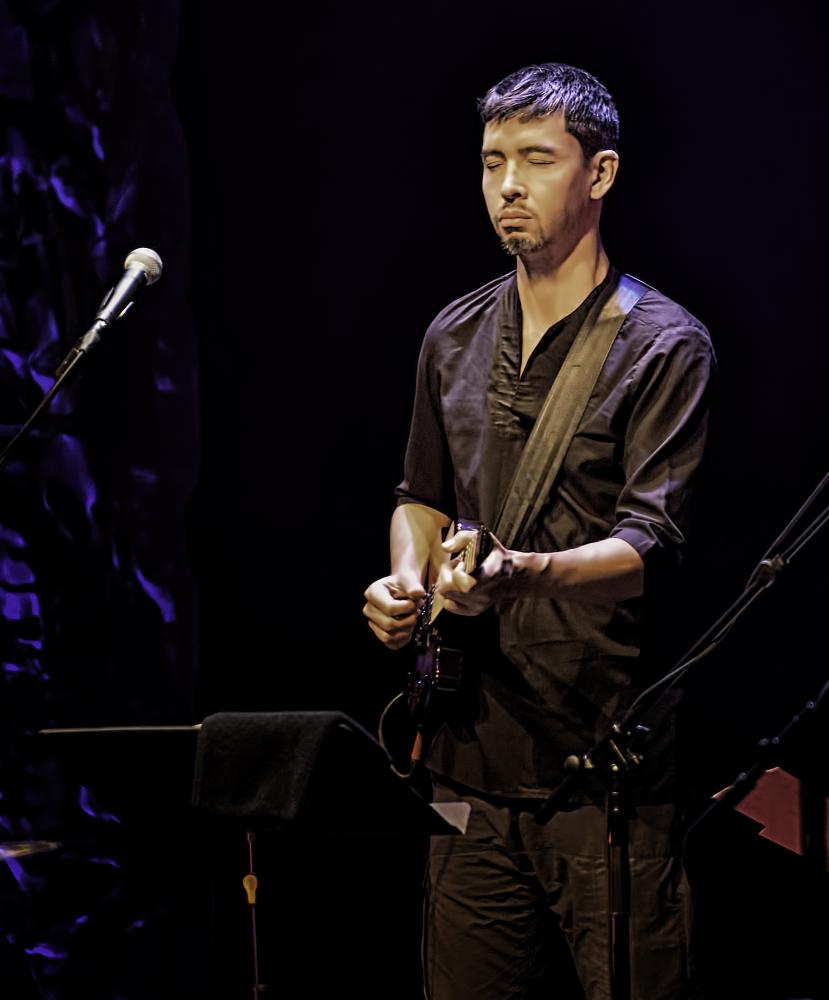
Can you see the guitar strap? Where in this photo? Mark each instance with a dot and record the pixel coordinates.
(545, 450)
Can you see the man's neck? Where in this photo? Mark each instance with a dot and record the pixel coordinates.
(550, 290)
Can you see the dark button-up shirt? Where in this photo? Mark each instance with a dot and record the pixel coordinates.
(566, 668)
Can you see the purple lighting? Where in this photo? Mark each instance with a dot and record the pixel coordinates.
(25, 881)
(77, 117)
(20, 606)
(13, 572)
(87, 802)
(17, 606)
(122, 195)
(92, 136)
(158, 595)
(46, 952)
(65, 461)
(66, 195)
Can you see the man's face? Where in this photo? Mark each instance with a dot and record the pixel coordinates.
(537, 185)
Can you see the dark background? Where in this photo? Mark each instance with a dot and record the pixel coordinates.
(310, 177)
(319, 154)
(351, 143)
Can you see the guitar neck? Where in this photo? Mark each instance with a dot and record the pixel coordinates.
(438, 604)
(469, 558)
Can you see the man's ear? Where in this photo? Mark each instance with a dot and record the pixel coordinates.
(603, 166)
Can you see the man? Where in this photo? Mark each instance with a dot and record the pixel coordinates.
(575, 611)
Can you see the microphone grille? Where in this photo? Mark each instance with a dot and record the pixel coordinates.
(148, 260)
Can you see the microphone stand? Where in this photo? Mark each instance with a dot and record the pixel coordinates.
(617, 755)
(63, 373)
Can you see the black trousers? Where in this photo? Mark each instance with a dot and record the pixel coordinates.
(519, 910)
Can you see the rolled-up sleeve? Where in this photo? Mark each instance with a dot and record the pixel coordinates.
(670, 393)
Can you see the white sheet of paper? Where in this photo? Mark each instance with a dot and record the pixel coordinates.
(456, 813)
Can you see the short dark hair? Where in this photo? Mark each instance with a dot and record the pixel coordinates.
(538, 91)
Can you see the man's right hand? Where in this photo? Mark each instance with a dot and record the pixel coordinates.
(391, 607)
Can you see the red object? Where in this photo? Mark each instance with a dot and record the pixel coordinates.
(775, 803)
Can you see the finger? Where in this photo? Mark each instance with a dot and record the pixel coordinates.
(454, 574)
(495, 566)
(401, 608)
(400, 596)
(389, 641)
(392, 626)
(389, 623)
(462, 581)
(379, 596)
(497, 545)
(457, 543)
(459, 607)
(406, 586)
(453, 578)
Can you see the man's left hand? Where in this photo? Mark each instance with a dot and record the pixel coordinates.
(465, 594)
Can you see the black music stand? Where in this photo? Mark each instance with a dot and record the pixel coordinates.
(294, 775)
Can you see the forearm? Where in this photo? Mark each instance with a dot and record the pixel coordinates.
(607, 571)
(415, 537)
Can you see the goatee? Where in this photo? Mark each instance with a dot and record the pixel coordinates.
(518, 244)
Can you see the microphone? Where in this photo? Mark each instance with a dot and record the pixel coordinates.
(142, 267)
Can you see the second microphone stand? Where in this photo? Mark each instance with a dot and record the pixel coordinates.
(617, 755)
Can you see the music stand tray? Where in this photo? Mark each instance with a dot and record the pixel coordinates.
(316, 774)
